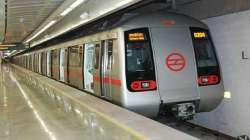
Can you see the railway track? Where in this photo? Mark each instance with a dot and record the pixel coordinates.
(194, 130)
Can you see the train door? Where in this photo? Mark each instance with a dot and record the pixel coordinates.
(44, 63)
(106, 67)
(35, 62)
(62, 65)
(48, 63)
(88, 67)
(27, 62)
(55, 64)
(66, 65)
(40, 63)
(32, 62)
(97, 69)
(102, 68)
(175, 64)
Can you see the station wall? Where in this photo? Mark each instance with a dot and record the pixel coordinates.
(231, 35)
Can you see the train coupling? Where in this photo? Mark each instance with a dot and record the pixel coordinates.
(184, 111)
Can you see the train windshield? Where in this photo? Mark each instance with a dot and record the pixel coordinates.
(139, 59)
(207, 64)
(204, 49)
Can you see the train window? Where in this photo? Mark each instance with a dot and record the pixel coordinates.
(110, 54)
(207, 63)
(40, 63)
(75, 58)
(97, 56)
(203, 49)
(139, 61)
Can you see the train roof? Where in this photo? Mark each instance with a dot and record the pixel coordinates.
(127, 21)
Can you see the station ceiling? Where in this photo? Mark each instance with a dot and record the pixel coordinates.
(23, 16)
(20, 19)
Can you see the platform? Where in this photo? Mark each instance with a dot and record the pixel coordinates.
(28, 113)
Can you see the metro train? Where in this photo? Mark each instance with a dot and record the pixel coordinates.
(148, 63)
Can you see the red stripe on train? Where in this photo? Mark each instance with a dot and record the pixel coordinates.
(107, 80)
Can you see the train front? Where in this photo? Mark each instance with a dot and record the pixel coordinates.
(174, 59)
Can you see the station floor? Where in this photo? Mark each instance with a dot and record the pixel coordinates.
(27, 115)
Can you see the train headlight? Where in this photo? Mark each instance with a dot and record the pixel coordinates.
(208, 80)
(143, 85)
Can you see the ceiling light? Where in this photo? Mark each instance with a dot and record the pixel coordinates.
(76, 3)
(86, 17)
(116, 6)
(13, 51)
(65, 12)
(42, 30)
(8, 53)
(71, 7)
(7, 45)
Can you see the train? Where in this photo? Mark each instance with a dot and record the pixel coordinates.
(150, 63)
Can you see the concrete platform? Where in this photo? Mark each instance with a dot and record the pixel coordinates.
(34, 107)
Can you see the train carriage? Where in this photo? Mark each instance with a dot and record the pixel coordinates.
(147, 63)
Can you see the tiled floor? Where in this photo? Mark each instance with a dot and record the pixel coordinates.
(26, 114)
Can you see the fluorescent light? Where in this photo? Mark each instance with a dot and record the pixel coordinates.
(71, 7)
(76, 3)
(87, 18)
(7, 45)
(116, 6)
(65, 12)
(14, 51)
(8, 53)
(42, 30)
(47, 26)
(3, 48)
(124, 2)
